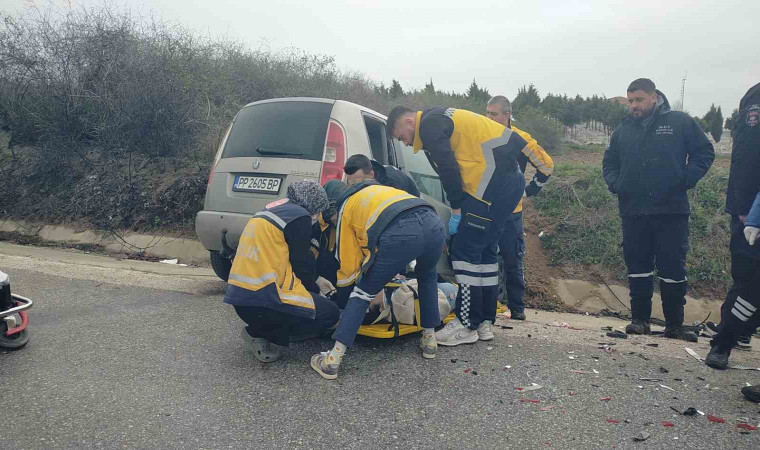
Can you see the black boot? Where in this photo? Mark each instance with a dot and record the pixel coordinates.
(752, 393)
(718, 356)
(673, 311)
(638, 327)
(518, 315)
(676, 332)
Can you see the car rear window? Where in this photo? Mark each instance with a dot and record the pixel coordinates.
(280, 130)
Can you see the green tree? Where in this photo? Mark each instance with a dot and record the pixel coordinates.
(396, 91)
(429, 88)
(714, 121)
(702, 124)
(526, 96)
(731, 121)
(474, 92)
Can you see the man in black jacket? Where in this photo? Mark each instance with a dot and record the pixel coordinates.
(654, 157)
(739, 314)
(360, 168)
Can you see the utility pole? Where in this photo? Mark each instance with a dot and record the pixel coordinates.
(683, 87)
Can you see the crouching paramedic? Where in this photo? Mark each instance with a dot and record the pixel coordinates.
(476, 159)
(380, 231)
(272, 283)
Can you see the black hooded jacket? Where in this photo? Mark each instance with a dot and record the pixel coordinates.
(652, 162)
(744, 180)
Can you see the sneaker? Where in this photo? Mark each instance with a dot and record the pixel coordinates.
(718, 357)
(744, 343)
(429, 346)
(680, 333)
(454, 333)
(262, 349)
(638, 327)
(327, 371)
(485, 331)
(752, 393)
(517, 315)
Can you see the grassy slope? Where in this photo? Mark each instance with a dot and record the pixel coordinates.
(584, 227)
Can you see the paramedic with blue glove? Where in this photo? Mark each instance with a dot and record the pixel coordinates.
(739, 313)
(476, 159)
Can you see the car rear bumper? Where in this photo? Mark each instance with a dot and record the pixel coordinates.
(209, 226)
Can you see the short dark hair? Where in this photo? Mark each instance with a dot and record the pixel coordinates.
(357, 162)
(642, 84)
(396, 114)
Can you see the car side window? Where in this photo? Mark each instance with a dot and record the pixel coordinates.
(418, 167)
(378, 140)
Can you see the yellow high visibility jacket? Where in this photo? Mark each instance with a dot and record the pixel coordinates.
(539, 159)
(364, 212)
(469, 152)
(261, 273)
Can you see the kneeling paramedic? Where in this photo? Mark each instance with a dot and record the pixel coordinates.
(272, 283)
(476, 159)
(380, 231)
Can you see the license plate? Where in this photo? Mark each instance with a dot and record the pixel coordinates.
(266, 185)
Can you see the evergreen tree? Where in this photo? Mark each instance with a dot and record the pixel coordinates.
(731, 121)
(474, 92)
(429, 88)
(526, 96)
(716, 125)
(396, 91)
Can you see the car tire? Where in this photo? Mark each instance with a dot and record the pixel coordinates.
(221, 265)
(14, 342)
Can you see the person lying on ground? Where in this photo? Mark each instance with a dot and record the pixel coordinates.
(272, 284)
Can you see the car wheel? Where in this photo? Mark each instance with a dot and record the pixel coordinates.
(13, 342)
(221, 265)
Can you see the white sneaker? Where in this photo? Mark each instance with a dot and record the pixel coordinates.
(485, 331)
(454, 333)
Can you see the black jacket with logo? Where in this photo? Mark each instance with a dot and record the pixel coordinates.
(744, 180)
(395, 178)
(652, 162)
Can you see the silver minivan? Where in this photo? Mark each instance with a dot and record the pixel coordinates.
(272, 143)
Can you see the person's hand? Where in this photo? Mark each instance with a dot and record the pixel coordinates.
(751, 233)
(325, 287)
(454, 222)
(743, 219)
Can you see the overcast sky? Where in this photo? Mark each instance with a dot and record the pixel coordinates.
(572, 47)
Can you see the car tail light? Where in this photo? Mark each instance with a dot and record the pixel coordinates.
(335, 154)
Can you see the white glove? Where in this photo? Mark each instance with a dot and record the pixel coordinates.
(325, 287)
(751, 234)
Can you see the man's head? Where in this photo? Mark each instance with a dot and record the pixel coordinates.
(402, 122)
(358, 168)
(499, 110)
(642, 97)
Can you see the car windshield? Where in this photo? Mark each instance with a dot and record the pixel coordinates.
(282, 129)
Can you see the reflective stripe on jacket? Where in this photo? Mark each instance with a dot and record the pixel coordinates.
(364, 212)
(539, 159)
(482, 150)
(261, 273)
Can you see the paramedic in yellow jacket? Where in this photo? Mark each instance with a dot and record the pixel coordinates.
(380, 230)
(273, 284)
(476, 159)
(512, 241)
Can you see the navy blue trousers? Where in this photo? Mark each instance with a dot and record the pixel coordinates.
(512, 250)
(418, 235)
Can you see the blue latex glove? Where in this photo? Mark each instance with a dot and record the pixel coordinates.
(454, 223)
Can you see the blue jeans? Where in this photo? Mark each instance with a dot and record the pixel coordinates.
(416, 234)
(512, 250)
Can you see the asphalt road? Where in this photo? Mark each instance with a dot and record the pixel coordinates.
(137, 355)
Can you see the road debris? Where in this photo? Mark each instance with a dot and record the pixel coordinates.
(649, 379)
(530, 400)
(667, 387)
(642, 436)
(507, 367)
(582, 372)
(746, 426)
(605, 399)
(664, 370)
(690, 412)
(667, 424)
(712, 418)
(612, 421)
(532, 387)
(652, 345)
(617, 334)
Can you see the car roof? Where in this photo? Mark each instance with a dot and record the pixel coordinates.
(315, 100)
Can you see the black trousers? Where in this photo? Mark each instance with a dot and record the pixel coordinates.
(739, 314)
(277, 327)
(660, 241)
